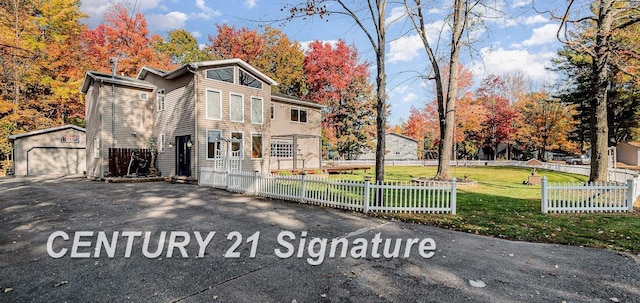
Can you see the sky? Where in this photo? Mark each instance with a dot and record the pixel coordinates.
(516, 38)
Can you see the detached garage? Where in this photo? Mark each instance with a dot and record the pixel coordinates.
(53, 151)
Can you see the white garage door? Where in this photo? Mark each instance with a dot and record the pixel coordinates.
(56, 161)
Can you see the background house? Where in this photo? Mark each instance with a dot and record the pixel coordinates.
(58, 150)
(628, 153)
(202, 116)
(397, 147)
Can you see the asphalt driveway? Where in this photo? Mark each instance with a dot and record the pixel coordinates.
(463, 268)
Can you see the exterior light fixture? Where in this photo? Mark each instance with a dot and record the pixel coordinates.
(189, 143)
(171, 145)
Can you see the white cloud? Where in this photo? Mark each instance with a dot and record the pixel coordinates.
(542, 35)
(502, 61)
(520, 3)
(196, 34)
(401, 89)
(397, 13)
(170, 21)
(535, 19)
(250, 3)
(304, 46)
(404, 49)
(410, 97)
(205, 11)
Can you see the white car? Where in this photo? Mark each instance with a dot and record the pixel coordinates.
(581, 160)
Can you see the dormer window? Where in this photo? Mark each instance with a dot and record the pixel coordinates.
(248, 80)
(224, 74)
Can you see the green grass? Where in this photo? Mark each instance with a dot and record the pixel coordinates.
(501, 206)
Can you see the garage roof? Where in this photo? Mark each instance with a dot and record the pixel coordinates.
(48, 130)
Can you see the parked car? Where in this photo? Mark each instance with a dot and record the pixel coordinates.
(578, 160)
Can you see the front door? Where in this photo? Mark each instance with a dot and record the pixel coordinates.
(183, 155)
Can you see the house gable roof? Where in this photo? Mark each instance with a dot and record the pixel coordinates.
(48, 130)
(278, 97)
(402, 136)
(108, 78)
(205, 64)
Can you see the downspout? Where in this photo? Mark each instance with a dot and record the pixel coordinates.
(101, 110)
(196, 140)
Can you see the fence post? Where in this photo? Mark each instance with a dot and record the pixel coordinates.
(544, 194)
(453, 196)
(630, 194)
(365, 205)
(256, 182)
(303, 188)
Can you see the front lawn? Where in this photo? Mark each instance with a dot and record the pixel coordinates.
(501, 205)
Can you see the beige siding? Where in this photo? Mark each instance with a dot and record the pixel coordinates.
(177, 118)
(93, 118)
(282, 125)
(628, 154)
(126, 120)
(226, 126)
(45, 153)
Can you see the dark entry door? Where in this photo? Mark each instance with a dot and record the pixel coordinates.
(183, 155)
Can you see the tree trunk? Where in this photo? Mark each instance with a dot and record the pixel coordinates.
(448, 111)
(598, 122)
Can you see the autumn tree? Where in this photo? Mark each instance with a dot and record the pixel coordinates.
(127, 39)
(40, 66)
(270, 51)
(545, 124)
(337, 79)
(370, 18)
(181, 47)
(593, 34)
(500, 116)
(460, 18)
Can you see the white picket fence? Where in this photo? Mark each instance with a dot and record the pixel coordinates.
(577, 197)
(364, 196)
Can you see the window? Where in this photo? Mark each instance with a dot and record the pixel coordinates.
(224, 74)
(298, 115)
(256, 146)
(236, 146)
(282, 149)
(160, 100)
(213, 145)
(248, 80)
(213, 105)
(144, 97)
(256, 110)
(273, 111)
(160, 143)
(236, 108)
(96, 147)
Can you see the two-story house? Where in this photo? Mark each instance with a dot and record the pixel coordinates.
(202, 115)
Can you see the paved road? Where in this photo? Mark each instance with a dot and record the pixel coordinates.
(32, 209)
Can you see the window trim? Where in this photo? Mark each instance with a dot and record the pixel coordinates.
(262, 84)
(273, 111)
(261, 110)
(261, 145)
(206, 138)
(241, 109)
(233, 76)
(241, 142)
(143, 96)
(299, 109)
(160, 143)
(96, 147)
(160, 95)
(206, 104)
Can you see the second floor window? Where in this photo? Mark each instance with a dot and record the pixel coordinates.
(298, 115)
(214, 105)
(236, 108)
(256, 110)
(160, 100)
